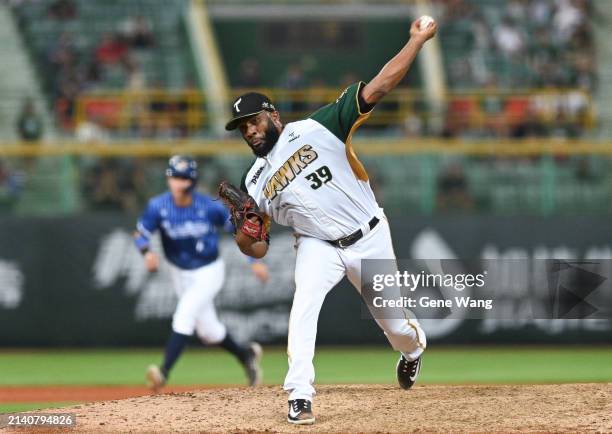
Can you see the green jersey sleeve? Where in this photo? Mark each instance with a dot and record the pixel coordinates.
(341, 116)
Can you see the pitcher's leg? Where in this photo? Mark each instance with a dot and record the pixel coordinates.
(403, 332)
(405, 336)
(318, 269)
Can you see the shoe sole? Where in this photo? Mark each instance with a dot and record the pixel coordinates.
(302, 422)
(153, 380)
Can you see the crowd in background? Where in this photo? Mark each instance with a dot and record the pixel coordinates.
(115, 184)
(11, 186)
(73, 65)
(495, 47)
(528, 44)
(504, 53)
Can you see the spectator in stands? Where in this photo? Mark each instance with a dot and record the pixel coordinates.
(63, 10)
(157, 102)
(102, 186)
(93, 74)
(29, 123)
(11, 184)
(453, 193)
(64, 80)
(136, 80)
(568, 16)
(540, 12)
(413, 125)
(584, 70)
(528, 126)
(509, 39)
(62, 53)
(492, 108)
(116, 184)
(137, 32)
(111, 49)
(166, 126)
(91, 130)
(539, 44)
(517, 10)
(65, 103)
(565, 126)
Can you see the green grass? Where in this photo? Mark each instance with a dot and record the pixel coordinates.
(446, 365)
(334, 365)
(28, 406)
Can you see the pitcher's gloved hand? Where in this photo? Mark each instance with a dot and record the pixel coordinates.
(244, 212)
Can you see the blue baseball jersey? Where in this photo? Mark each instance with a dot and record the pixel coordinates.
(190, 235)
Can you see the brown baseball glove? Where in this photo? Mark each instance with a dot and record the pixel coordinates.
(244, 212)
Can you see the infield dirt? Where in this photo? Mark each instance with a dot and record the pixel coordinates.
(362, 408)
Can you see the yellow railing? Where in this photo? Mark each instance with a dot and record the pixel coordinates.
(372, 147)
(157, 113)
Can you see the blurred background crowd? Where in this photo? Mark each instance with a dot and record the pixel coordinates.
(511, 69)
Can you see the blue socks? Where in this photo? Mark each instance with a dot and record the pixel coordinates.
(175, 346)
(241, 353)
(177, 342)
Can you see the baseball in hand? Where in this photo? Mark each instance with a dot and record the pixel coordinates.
(425, 21)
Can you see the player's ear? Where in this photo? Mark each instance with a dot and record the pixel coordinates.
(275, 116)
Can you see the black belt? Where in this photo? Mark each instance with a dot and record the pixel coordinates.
(351, 239)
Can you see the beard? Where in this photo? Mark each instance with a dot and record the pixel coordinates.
(268, 141)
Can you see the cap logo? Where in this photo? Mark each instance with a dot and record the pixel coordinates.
(236, 105)
(182, 165)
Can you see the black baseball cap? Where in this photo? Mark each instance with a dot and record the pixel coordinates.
(247, 105)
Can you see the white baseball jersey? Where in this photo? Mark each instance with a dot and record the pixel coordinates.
(312, 180)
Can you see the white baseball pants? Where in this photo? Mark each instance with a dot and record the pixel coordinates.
(195, 310)
(319, 267)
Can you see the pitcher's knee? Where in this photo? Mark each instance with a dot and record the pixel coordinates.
(183, 325)
(211, 333)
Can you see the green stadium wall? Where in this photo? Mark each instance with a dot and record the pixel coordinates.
(78, 281)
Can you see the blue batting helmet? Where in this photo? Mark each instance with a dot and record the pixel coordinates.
(181, 166)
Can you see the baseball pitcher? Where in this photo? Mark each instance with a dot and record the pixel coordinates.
(307, 176)
(189, 223)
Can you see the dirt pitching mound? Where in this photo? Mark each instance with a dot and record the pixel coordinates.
(23, 394)
(362, 408)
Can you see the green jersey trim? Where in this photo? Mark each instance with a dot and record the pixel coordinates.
(340, 116)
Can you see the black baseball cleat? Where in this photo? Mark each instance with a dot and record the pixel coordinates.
(407, 372)
(300, 412)
(252, 364)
